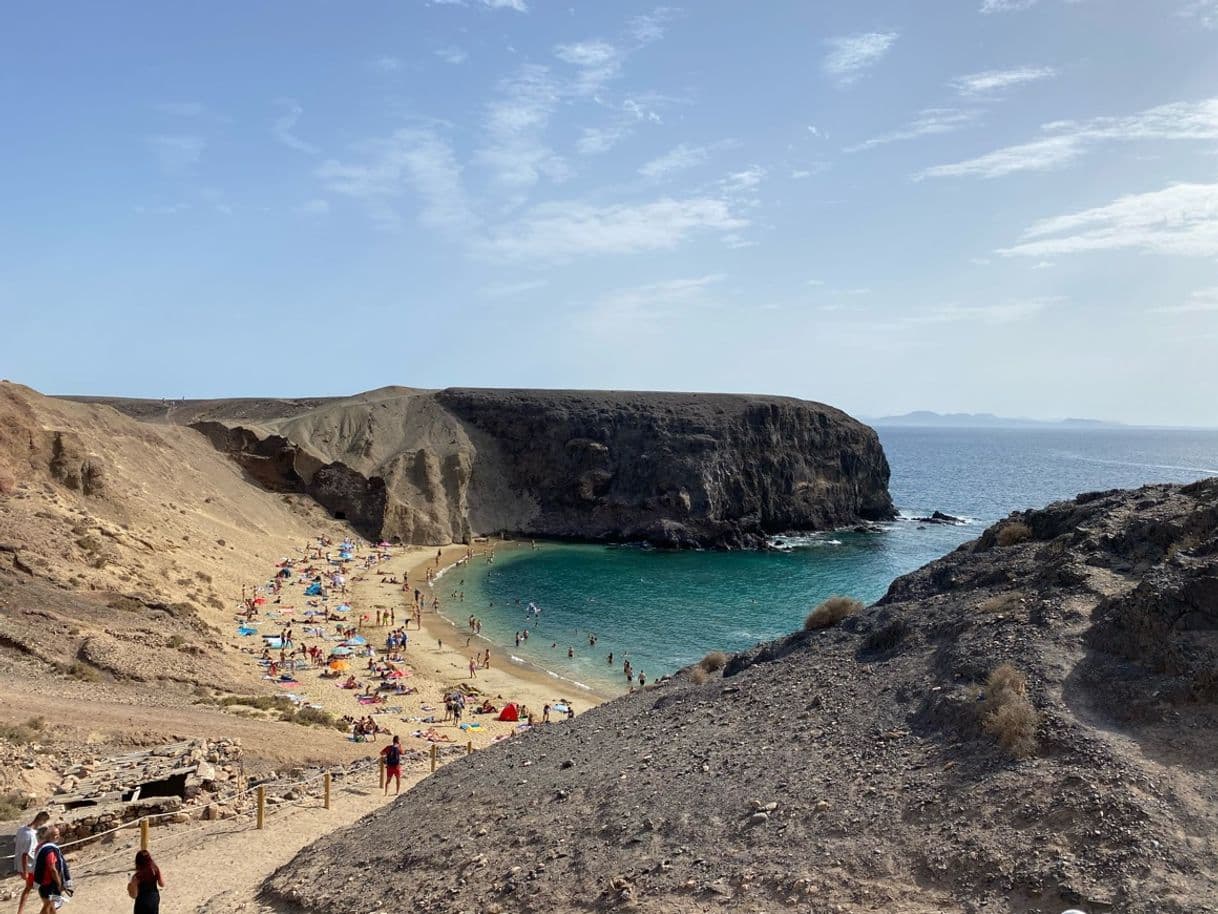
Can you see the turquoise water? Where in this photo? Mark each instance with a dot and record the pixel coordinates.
(664, 610)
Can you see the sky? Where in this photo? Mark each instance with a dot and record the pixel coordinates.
(962, 205)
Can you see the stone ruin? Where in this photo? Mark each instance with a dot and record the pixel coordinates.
(180, 780)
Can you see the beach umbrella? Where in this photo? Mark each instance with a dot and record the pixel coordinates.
(338, 665)
(340, 651)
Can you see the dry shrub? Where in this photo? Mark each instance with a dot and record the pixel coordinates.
(713, 662)
(697, 675)
(12, 805)
(1007, 714)
(831, 612)
(1013, 533)
(1000, 603)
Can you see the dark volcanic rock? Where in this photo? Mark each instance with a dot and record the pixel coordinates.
(847, 770)
(674, 470)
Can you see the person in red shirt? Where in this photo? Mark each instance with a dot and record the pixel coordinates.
(392, 754)
(50, 879)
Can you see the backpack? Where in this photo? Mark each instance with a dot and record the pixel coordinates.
(393, 755)
(40, 864)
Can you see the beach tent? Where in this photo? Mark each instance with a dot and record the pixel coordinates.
(247, 630)
(338, 666)
(313, 590)
(509, 713)
(273, 641)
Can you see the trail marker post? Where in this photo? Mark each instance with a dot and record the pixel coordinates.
(143, 834)
(326, 795)
(261, 805)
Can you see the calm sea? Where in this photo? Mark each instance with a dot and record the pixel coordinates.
(664, 610)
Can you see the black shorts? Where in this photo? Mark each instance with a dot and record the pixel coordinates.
(48, 891)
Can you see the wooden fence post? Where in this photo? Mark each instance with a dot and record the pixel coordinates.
(380, 772)
(326, 784)
(433, 756)
(469, 749)
(143, 834)
(261, 804)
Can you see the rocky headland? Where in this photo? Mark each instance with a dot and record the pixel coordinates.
(436, 467)
(1026, 725)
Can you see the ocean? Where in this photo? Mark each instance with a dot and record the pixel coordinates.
(663, 610)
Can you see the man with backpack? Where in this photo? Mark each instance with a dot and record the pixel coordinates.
(393, 764)
(24, 846)
(51, 873)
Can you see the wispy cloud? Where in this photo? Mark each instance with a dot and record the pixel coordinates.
(385, 64)
(177, 152)
(285, 124)
(512, 289)
(809, 169)
(314, 207)
(995, 82)
(597, 62)
(519, 6)
(1007, 6)
(1181, 219)
(596, 140)
(647, 308)
(650, 27)
(1069, 140)
(1203, 11)
(182, 109)
(1201, 301)
(850, 55)
(928, 123)
(516, 120)
(561, 230)
(411, 160)
(1007, 312)
(676, 159)
(452, 54)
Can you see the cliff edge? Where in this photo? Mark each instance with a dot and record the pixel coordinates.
(435, 467)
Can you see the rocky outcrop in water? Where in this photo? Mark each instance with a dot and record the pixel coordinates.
(861, 767)
(677, 470)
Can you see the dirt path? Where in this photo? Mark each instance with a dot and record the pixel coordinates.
(217, 868)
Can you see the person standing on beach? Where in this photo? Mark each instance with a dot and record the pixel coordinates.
(24, 846)
(392, 754)
(473, 668)
(145, 884)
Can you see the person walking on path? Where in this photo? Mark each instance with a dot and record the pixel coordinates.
(145, 884)
(392, 754)
(24, 847)
(50, 869)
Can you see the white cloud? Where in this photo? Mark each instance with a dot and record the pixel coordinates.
(314, 207)
(1002, 313)
(452, 54)
(850, 55)
(1006, 6)
(1071, 139)
(1201, 301)
(595, 140)
(385, 64)
(409, 160)
(929, 122)
(560, 230)
(597, 62)
(177, 152)
(518, 5)
(1204, 11)
(647, 308)
(809, 169)
(515, 126)
(992, 82)
(1181, 219)
(650, 27)
(182, 109)
(676, 159)
(740, 182)
(512, 289)
(284, 125)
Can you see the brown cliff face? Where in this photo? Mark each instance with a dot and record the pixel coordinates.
(677, 470)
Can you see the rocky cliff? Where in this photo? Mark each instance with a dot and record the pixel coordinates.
(1027, 725)
(671, 469)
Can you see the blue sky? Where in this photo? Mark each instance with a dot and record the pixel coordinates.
(1000, 205)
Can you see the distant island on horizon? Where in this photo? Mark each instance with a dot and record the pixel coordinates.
(924, 418)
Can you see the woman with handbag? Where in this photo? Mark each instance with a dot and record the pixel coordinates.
(145, 884)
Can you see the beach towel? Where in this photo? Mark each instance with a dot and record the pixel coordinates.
(246, 630)
(471, 726)
(289, 684)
